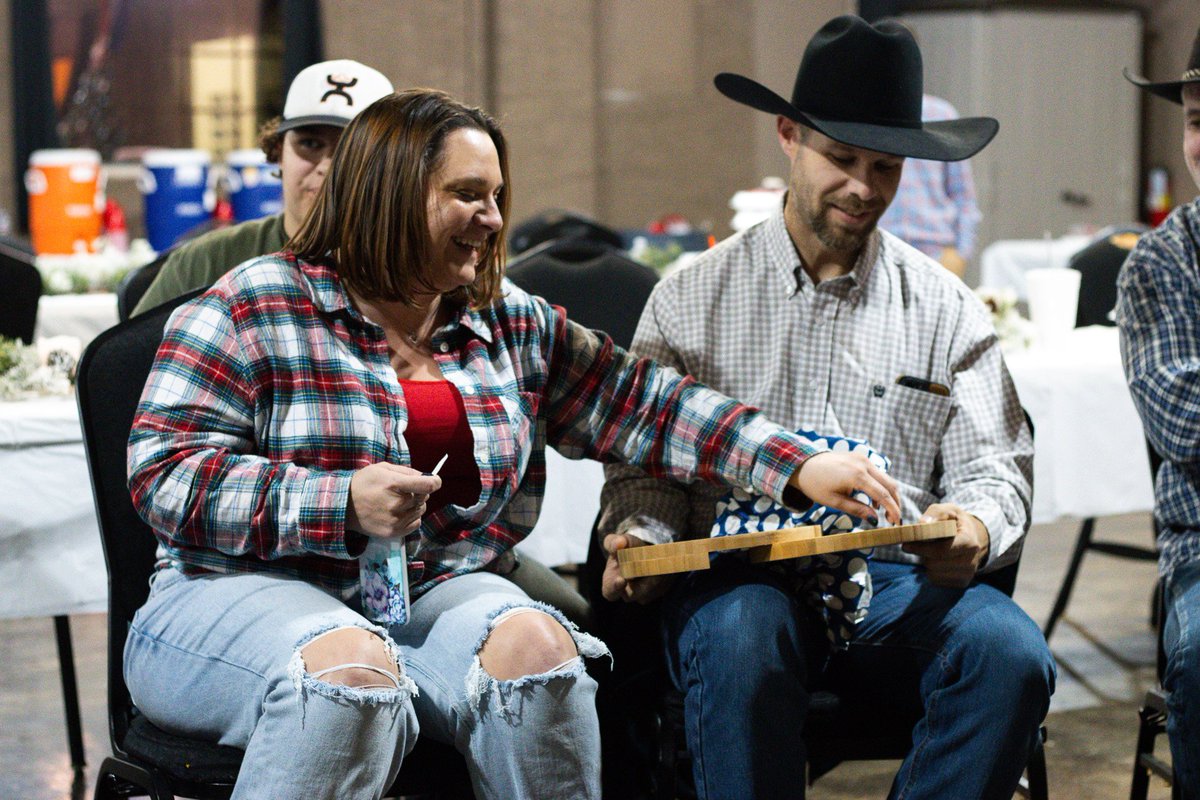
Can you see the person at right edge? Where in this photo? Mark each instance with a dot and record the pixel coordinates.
(826, 322)
(1158, 313)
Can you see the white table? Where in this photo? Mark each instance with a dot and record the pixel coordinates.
(1003, 264)
(1089, 451)
(82, 316)
(51, 562)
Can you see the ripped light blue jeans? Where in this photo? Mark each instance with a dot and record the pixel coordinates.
(218, 657)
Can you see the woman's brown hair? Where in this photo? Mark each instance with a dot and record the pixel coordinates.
(370, 218)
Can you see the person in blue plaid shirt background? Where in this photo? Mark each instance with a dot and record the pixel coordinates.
(935, 209)
(1158, 312)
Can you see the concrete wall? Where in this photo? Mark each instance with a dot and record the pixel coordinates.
(609, 104)
(1170, 29)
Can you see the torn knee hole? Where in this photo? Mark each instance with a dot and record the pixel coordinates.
(352, 657)
(526, 641)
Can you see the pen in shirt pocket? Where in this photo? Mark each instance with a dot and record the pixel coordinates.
(922, 385)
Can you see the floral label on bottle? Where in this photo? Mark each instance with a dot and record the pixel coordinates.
(383, 578)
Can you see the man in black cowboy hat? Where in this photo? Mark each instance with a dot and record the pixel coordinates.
(1158, 311)
(826, 322)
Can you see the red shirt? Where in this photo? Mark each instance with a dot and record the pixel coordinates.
(437, 426)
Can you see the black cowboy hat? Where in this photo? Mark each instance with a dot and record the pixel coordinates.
(861, 85)
(1172, 90)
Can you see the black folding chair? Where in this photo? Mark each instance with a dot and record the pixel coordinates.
(134, 285)
(1098, 265)
(22, 289)
(147, 760)
(600, 286)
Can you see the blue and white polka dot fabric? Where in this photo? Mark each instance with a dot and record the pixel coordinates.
(836, 584)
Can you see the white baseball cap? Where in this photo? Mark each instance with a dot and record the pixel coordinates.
(332, 93)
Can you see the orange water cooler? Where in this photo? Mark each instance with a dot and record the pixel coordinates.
(65, 200)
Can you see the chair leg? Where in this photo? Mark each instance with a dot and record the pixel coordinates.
(70, 689)
(119, 779)
(1152, 720)
(1033, 783)
(1082, 543)
(1035, 770)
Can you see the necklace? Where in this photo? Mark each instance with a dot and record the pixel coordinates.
(417, 337)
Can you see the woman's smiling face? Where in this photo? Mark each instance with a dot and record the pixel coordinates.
(463, 206)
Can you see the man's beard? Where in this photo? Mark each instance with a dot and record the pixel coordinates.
(838, 239)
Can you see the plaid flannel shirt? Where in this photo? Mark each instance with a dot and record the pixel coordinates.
(270, 390)
(935, 206)
(1158, 311)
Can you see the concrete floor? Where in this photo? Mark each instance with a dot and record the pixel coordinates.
(1104, 647)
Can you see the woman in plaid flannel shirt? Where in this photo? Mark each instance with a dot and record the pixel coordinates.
(294, 414)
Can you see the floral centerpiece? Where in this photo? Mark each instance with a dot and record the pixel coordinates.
(1014, 331)
(31, 370)
(80, 273)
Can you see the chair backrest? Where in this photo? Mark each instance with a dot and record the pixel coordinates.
(551, 226)
(19, 298)
(111, 375)
(599, 286)
(135, 284)
(1099, 264)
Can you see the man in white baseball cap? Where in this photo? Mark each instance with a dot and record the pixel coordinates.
(321, 101)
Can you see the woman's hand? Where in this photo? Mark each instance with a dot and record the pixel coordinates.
(388, 500)
(638, 590)
(832, 478)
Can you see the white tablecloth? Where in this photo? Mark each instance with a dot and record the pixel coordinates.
(1003, 264)
(1089, 452)
(80, 315)
(571, 503)
(50, 557)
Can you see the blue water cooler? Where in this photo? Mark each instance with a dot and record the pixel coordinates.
(175, 192)
(253, 185)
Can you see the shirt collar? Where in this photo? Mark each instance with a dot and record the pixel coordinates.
(332, 298)
(782, 254)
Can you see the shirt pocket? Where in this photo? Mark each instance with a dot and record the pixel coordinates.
(915, 423)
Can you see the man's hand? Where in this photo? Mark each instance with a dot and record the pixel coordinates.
(387, 500)
(639, 590)
(952, 562)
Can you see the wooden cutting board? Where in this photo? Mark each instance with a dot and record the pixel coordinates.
(663, 559)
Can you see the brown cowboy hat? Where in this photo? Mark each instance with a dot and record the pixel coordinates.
(1172, 90)
(861, 85)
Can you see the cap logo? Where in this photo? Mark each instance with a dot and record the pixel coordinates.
(339, 88)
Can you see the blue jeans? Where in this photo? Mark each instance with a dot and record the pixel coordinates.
(1181, 642)
(218, 657)
(745, 652)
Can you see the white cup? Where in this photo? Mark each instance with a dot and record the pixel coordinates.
(1053, 294)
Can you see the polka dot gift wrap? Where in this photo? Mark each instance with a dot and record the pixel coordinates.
(836, 584)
